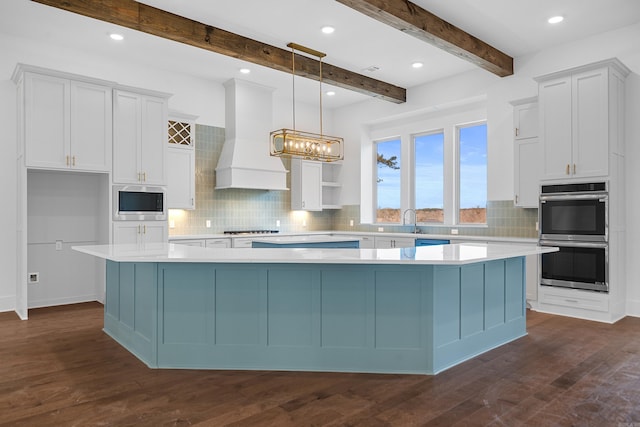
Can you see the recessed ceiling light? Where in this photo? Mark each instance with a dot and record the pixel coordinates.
(327, 29)
(555, 19)
(116, 37)
(245, 70)
(417, 65)
(330, 93)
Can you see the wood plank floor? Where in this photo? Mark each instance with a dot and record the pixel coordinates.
(59, 369)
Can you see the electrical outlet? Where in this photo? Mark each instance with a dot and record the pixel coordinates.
(208, 223)
(537, 226)
(34, 277)
(454, 231)
(172, 224)
(380, 229)
(277, 223)
(304, 222)
(58, 245)
(350, 223)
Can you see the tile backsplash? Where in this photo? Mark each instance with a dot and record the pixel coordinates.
(240, 209)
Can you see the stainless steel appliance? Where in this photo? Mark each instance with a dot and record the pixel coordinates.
(139, 203)
(574, 217)
(574, 212)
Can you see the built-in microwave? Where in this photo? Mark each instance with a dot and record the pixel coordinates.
(139, 203)
(576, 211)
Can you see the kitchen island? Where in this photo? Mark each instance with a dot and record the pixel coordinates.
(407, 310)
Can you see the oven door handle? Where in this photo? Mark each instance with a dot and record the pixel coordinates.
(573, 244)
(601, 197)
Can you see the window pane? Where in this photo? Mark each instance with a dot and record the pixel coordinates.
(388, 181)
(429, 172)
(473, 174)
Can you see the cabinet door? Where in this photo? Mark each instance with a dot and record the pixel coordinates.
(153, 143)
(526, 121)
(91, 127)
(181, 181)
(555, 126)
(154, 232)
(590, 124)
(126, 136)
(528, 157)
(126, 233)
(47, 122)
(218, 243)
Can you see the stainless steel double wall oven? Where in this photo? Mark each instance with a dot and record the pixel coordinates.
(575, 218)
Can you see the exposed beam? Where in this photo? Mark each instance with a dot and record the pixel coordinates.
(412, 19)
(138, 16)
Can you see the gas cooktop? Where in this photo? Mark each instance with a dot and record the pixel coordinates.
(237, 232)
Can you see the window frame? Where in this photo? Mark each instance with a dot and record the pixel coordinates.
(406, 128)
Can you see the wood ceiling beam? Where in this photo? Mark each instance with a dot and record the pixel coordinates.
(138, 16)
(412, 19)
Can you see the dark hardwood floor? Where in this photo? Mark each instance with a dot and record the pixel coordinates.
(59, 369)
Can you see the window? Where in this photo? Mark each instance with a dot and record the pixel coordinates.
(472, 154)
(435, 164)
(388, 181)
(429, 177)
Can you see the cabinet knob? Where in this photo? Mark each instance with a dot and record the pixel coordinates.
(567, 169)
(144, 177)
(517, 132)
(516, 199)
(574, 168)
(67, 160)
(73, 161)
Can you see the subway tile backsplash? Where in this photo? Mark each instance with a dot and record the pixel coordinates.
(236, 209)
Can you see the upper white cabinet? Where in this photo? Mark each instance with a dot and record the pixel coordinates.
(67, 123)
(306, 185)
(181, 163)
(140, 137)
(579, 111)
(314, 185)
(527, 153)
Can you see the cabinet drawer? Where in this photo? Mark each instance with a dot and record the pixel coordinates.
(574, 298)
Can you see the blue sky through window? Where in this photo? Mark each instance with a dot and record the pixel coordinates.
(388, 178)
(473, 166)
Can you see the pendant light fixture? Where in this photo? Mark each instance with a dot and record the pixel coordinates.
(306, 145)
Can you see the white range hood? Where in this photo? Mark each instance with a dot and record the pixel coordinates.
(245, 161)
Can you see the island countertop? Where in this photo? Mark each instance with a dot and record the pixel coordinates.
(453, 254)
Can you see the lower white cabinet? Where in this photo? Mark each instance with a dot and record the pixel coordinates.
(382, 242)
(190, 242)
(217, 243)
(139, 232)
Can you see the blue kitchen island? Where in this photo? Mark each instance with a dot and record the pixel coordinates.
(407, 310)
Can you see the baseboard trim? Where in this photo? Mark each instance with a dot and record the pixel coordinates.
(63, 301)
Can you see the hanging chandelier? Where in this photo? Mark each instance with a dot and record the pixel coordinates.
(306, 145)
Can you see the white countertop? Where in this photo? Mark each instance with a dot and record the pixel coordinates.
(313, 238)
(356, 234)
(455, 254)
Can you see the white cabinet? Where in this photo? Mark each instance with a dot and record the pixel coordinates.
(527, 153)
(576, 112)
(68, 124)
(181, 162)
(382, 242)
(189, 242)
(181, 185)
(218, 243)
(139, 232)
(306, 185)
(314, 185)
(140, 138)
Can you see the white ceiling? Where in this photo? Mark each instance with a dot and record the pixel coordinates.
(516, 27)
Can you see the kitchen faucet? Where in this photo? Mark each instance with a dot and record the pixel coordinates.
(415, 219)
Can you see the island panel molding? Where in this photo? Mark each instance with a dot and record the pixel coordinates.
(419, 319)
(140, 17)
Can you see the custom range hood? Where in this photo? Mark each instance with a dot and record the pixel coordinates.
(245, 161)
